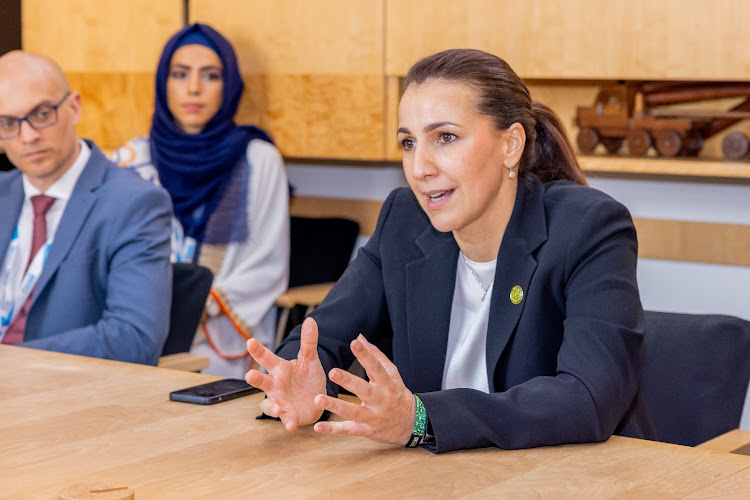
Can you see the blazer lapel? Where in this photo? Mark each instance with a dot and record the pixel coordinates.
(526, 231)
(81, 202)
(11, 202)
(430, 281)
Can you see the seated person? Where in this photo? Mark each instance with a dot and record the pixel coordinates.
(84, 245)
(504, 287)
(229, 190)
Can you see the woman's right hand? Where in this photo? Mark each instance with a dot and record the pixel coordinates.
(290, 386)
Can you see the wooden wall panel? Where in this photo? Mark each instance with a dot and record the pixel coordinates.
(694, 241)
(98, 36)
(318, 116)
(298, 36)
(709, 170)
(589, 39)
(393, 151)
(109, 51)
(313, 70)
(116, 106)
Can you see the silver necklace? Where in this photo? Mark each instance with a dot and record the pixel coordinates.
(479, 282)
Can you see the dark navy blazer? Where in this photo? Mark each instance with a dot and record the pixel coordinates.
(106, 287)
(563, 364)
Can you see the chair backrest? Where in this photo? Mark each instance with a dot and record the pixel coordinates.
(5, 164)
(695, 374)
(320, 249)
(190, 286)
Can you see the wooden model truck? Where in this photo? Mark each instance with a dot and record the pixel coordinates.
(632, 112)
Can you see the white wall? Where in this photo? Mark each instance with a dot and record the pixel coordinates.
(353, 183)
(665, 285)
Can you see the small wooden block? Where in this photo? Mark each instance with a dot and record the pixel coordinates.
(96, 492)
(184, 361)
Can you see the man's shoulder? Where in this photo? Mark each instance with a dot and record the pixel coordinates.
(10, 177)
(123, 185)
(128, 184)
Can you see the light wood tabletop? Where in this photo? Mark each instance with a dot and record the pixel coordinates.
(70, 420)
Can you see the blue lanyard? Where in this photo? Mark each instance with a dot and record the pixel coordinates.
(15, 291)
(183, 247)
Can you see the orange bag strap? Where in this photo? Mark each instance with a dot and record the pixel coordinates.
(221, 302)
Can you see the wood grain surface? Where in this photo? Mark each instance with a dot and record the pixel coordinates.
(108, 51)
(327, 37)
(318, 116)
(115, 107)
(587, 39)
(101, 37)
(313, 72)
(72, 420)
(662, 166)
(686, 241)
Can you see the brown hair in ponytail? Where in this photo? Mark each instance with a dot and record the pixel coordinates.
(503, 96)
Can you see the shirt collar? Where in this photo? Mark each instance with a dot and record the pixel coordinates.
(63, 188)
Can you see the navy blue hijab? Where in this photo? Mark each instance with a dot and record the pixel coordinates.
(195, 168)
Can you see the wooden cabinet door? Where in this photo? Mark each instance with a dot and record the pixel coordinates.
(108, 51)
(313, 71)
(580, 39)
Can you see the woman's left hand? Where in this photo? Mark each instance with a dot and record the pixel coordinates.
(387, 411)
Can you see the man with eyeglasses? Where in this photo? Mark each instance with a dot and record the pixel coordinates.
(84, 245)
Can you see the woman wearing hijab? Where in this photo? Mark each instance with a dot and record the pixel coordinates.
(229, 191)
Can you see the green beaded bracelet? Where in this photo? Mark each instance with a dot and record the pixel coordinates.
(420, 424)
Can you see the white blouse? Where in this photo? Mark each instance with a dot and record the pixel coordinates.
(466, 358)
(251, 274)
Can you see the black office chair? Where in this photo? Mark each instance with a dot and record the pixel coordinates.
(5, 164)
(320, 250)
(695, 374)
(190, 286)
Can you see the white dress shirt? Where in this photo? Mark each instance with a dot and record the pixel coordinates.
(61, 191)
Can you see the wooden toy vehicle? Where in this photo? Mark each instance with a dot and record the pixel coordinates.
(736, 145)
(633, 112)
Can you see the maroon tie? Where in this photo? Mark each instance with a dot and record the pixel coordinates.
(42, 204)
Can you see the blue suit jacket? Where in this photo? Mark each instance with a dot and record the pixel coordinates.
(563, 364)
(106, 287)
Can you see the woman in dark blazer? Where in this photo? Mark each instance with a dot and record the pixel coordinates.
(502, 288)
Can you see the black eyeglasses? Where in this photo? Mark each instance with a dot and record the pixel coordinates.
(39, 118)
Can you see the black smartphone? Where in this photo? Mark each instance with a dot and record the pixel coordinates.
(214, 392)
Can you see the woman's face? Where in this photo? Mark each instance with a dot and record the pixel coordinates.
(455, 160)
(195, 87)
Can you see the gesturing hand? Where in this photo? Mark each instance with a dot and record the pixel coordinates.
(387, 411)
(290, 386)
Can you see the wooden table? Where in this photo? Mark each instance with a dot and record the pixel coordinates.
(67, 420)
